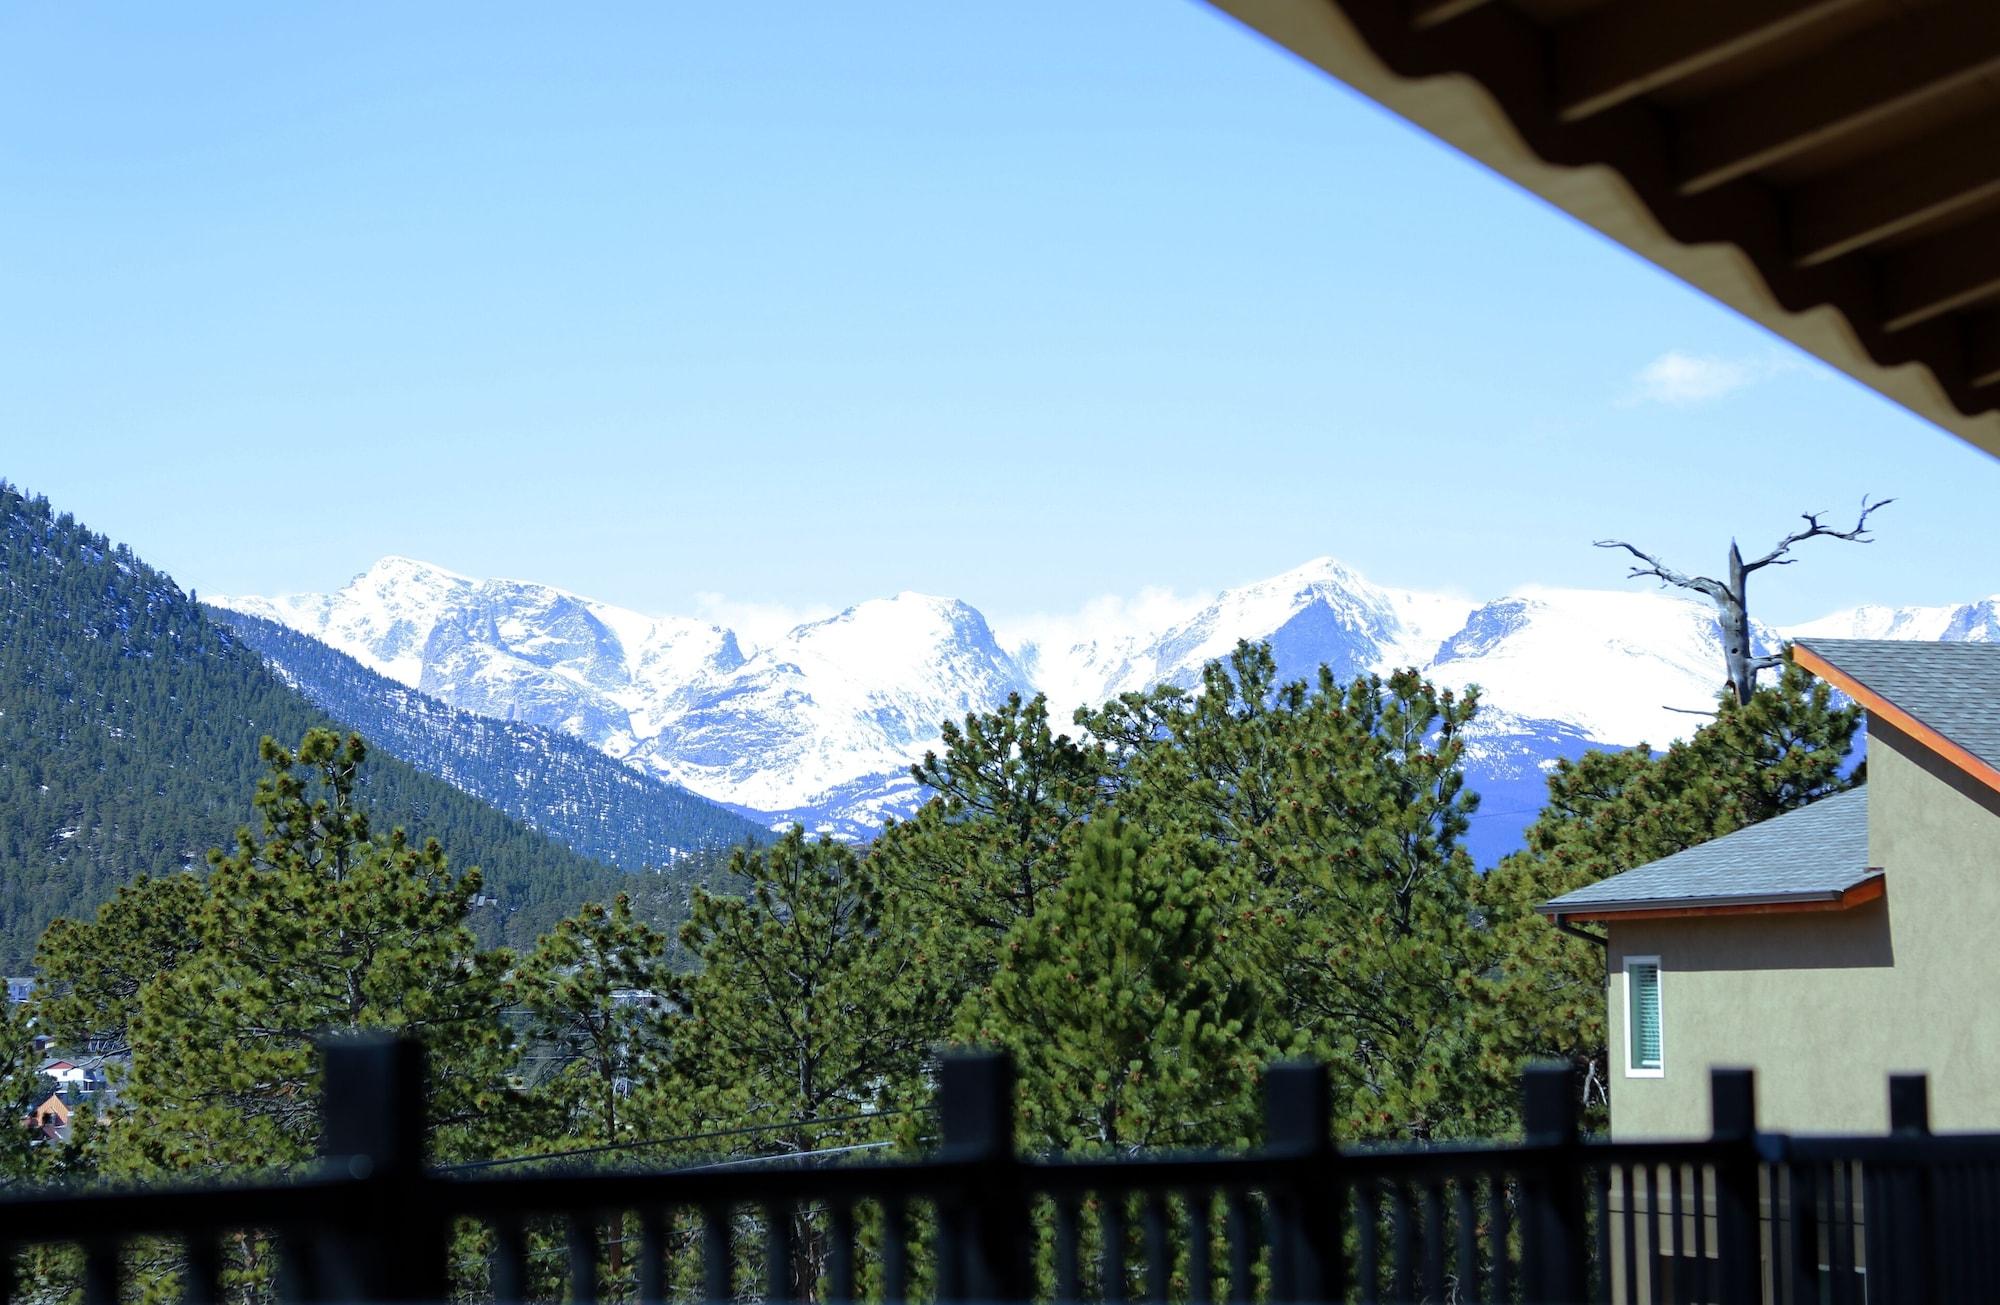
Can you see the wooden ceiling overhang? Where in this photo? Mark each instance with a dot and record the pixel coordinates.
(1828, 168)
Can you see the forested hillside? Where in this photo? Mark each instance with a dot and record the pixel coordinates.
(128, 744)
(546, 780)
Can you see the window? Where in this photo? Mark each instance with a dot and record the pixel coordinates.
(1643, 1055)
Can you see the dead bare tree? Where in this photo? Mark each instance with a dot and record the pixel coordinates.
(1731, 597)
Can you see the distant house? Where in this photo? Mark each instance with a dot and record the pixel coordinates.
(1832, 945)
(51, 1118)
(75, 1079)
(19, 990)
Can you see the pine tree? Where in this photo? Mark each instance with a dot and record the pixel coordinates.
(1372, 937)
(810, 1018)
(1340, 808)
(985, 853)
(24, 1157)
(806, 1005)
(1209, 762)
(92, 974)
(320, 926)
(596, 990)
(1121, 1002)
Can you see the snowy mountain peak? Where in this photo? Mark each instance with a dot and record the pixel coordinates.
(1620, 665)
(395, 565)
(896, 628)
(822, 724)
(1975, 621)
(382, 617)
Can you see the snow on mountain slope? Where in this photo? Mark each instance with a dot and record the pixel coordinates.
(1613, 664)
(381, 619)
(858, 696)
(530, 653)
(1321, 612)
(822, 724)
(1977, 622)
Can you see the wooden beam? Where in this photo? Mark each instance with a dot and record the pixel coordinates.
(1426, 14)
(1886, 194)
(1621, 51)
(1917, 55)
(1940, 275)
(1982, 349)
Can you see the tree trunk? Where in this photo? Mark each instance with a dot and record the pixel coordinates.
(1734, 610)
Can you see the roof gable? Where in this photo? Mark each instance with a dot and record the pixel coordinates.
(1946, 695)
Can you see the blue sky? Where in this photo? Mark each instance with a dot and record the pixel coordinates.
(792, 305)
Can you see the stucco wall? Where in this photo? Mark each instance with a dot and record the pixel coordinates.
(1825, 1006)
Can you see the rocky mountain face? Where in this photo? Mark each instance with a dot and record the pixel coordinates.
(821, 725)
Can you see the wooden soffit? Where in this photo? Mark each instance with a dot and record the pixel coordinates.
(1828, 168)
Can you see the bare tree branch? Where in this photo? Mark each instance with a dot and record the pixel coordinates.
(1767, 662)
(1661, 571)
(1815, 529)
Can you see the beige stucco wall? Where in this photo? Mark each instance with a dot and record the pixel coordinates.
(1825, 1006)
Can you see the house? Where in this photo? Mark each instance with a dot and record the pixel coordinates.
(75, 1080)
(1835, 944)
(51, 1119)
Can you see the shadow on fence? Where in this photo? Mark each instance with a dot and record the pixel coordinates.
(1736, 1218)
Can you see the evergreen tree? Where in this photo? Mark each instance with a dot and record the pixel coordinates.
(803, 1007)
(1372, 937)
(1340, 808)
(985, 853)
(810, 1017)
(595, 991)
(1210, 762)
(24, 1156)
(92, 974)
(1130, 1023)
(319, 926)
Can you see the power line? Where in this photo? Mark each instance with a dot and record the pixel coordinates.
(672, 1141)
(787, 1155)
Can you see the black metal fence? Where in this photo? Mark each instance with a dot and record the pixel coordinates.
(1738, 1217)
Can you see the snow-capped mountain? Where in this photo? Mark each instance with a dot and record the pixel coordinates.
(834, 713)
(1322, 612)
(1614, 664)
(381, 619)
(821, 724)
(1976, 622)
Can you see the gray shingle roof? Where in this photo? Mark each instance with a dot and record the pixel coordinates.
(1952, 687)
(1812, 854)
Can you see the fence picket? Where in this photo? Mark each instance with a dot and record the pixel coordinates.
(1739, 1217)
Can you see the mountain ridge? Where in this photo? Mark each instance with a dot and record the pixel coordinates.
(820, 724)
(129, 727)
(549, 781)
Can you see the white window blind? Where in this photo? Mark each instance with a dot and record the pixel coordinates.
(1642, 981)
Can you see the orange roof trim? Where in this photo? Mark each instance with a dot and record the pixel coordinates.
(1867, 890)
(1937, 743)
